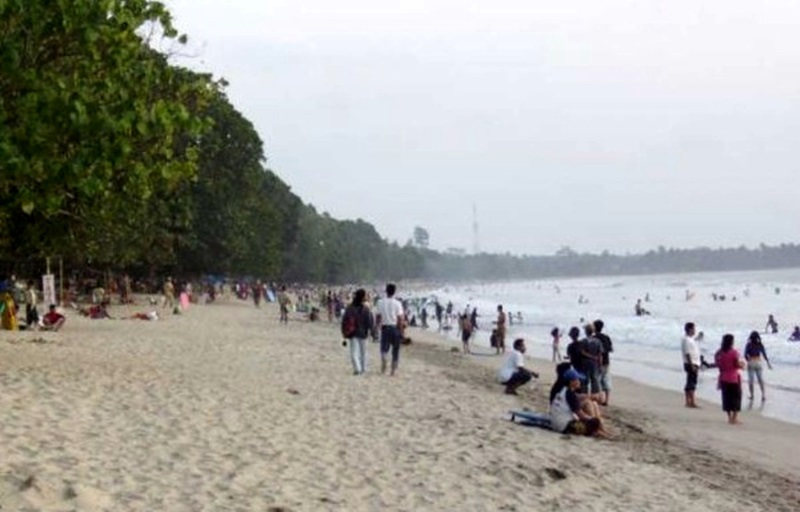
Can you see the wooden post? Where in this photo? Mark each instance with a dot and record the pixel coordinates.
(61, 281)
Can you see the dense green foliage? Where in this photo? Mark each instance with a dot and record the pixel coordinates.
(113, 158)
(93, 126)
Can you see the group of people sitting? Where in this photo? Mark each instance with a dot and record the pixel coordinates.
(581, 386)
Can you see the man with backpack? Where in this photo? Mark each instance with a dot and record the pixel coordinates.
(357, 324)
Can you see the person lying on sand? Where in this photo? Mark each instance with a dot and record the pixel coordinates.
(153, 315)
(96, 312)
(571, 415)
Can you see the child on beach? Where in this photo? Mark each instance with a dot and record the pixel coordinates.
(556, 334)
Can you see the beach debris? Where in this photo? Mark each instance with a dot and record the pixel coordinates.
(28, 483)
(455, 350)
(555, 474)
(69, 492)
(292, 391)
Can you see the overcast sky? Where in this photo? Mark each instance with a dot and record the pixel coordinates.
(612, 124)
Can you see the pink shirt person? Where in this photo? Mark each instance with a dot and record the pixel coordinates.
(729, 365)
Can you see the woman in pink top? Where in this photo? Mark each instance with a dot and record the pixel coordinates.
(730, 381)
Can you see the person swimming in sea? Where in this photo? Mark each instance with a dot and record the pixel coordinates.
(772, 325)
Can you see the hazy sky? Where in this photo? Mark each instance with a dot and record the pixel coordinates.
(613, 124)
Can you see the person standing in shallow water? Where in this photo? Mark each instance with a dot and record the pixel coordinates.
(391, 320)
(730, 380)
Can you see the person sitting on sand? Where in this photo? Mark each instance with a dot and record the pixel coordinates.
(570, 415)
(513, 373)
(795, 334)
(52, 320)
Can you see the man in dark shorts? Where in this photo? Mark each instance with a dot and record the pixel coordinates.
(501, 330)
(691, 363)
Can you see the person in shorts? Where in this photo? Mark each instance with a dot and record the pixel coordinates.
(391, 319)
(691, 364)
(513, 373)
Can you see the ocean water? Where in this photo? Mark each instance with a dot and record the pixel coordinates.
(647, 348)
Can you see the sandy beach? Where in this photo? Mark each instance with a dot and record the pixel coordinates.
(222, 408)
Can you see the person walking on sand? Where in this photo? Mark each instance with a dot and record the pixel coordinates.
(513, 373)
(691, 363)
(730, 380)
(284, 301)
(501, 330)
(391, 320)
(357, 325)
(169, 294)
(754, 352)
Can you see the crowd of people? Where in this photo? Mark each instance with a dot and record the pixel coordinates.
(729, 363)
(583, 380)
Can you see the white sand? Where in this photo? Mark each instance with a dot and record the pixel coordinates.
(223, 409)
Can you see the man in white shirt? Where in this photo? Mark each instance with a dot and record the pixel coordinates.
(691, 363)
(513, 372)
(390, 318)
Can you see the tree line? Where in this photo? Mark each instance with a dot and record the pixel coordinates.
(115, 159)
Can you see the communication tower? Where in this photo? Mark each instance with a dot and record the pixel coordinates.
(476, 244)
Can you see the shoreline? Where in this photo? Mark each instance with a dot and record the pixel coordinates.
(222, 408)
(663, 410)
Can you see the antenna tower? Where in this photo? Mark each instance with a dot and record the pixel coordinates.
(476, 245)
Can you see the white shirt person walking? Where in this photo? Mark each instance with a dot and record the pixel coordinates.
(391, 320)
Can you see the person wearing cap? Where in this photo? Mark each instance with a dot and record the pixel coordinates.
(513, 373)
(571, 415)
